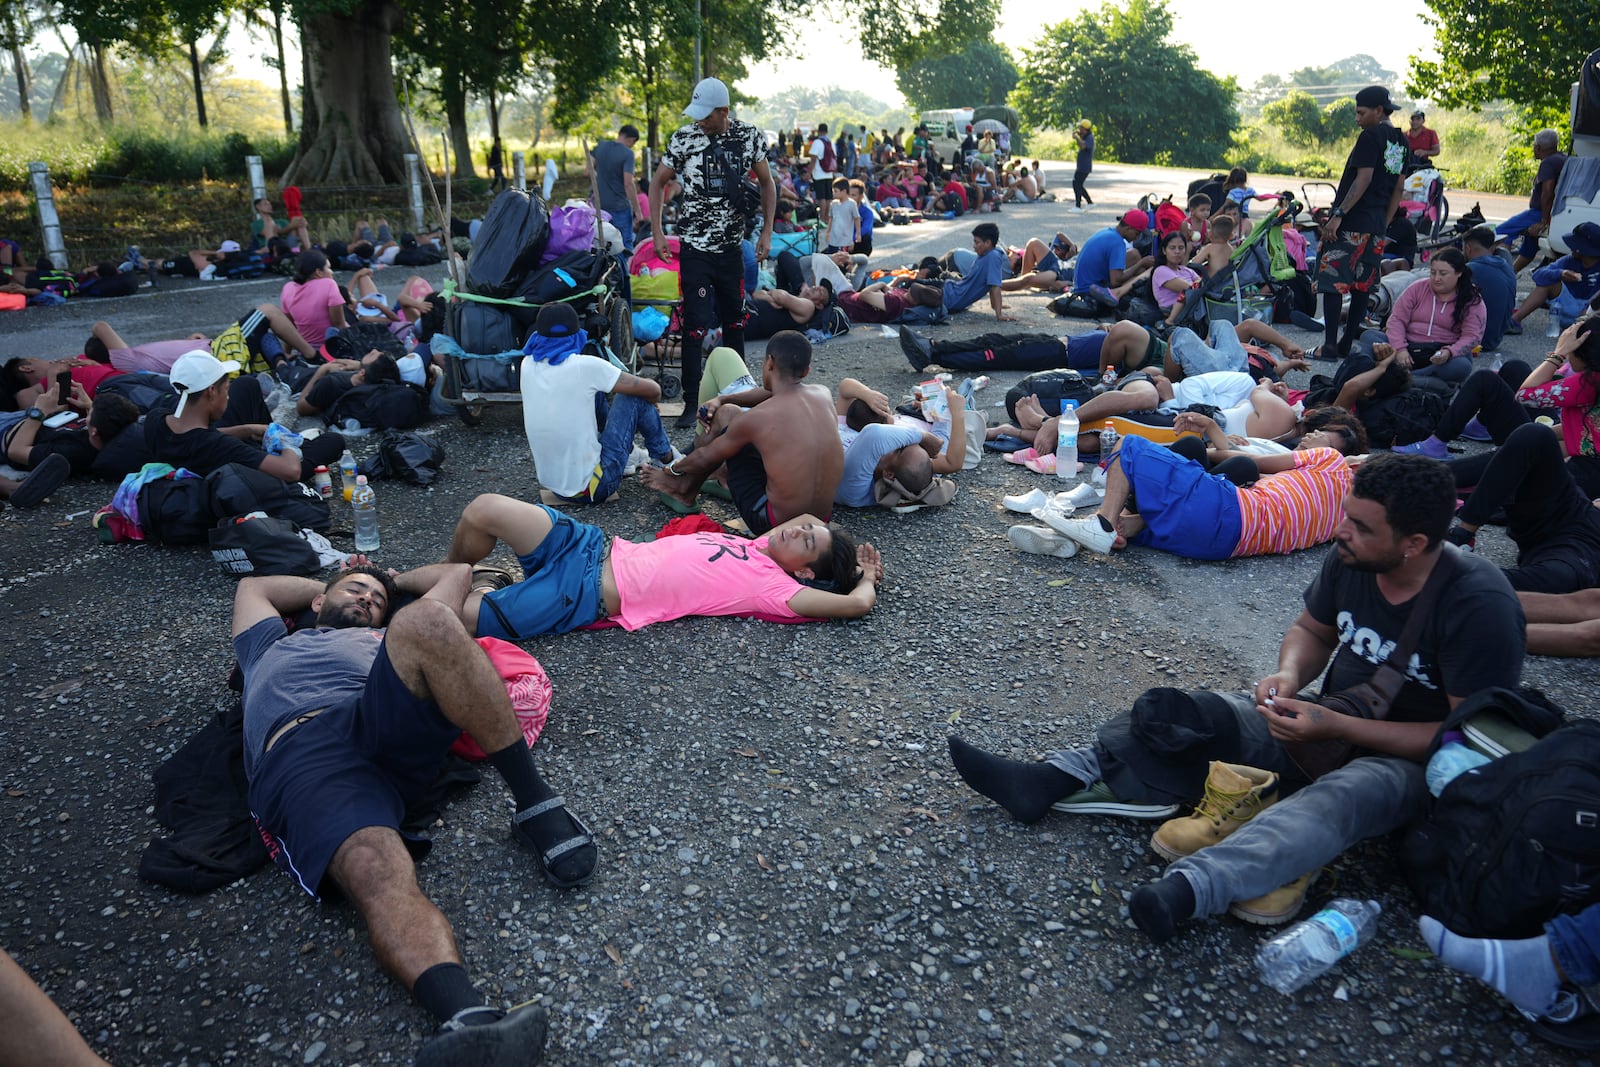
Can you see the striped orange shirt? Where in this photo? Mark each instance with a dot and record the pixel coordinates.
(1295, 509)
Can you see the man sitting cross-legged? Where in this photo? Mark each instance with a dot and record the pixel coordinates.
(348, 721)
(565, 394)
(1159, 754)
(780, 444)
(572, 578)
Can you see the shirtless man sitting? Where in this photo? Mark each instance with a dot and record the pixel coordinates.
(780, 444)
(572, 578)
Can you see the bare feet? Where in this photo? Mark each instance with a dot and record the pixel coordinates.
(674, 485)
(1030, 413)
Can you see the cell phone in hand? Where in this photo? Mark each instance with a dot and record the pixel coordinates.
(63, 386)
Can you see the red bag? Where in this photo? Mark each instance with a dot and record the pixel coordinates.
(526, 684)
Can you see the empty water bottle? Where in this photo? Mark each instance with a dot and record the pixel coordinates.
(364, 503)
(1454, 757)
(1308, 949)
(1067, 442)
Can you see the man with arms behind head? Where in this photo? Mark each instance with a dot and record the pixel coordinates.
(780, 444)
(1260, 863)
(347, 722)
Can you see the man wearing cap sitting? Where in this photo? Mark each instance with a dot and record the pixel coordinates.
(711, 157)
(187, 438)
(1108, 265)
(779, 443)
(345, 723)
(1351, 259)
(565, 395)
(1571, 282)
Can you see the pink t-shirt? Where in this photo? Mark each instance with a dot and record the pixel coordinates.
(698, 574)
(157, 356)
(308, 306)
(1167, 297)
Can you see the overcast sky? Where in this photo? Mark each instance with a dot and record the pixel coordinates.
(1272, 38)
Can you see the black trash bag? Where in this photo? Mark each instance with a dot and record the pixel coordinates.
(354, 342)
(412, 457)
(512, 238)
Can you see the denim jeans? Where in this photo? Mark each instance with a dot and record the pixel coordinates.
(623, 221)
(1223, 352)
(628, 415)
(1575, 941)
(1516, 225)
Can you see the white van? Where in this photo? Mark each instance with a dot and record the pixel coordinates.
(948, 124)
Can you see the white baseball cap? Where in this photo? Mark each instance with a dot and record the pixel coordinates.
(709, 95)
(228, 246)
(197, 371)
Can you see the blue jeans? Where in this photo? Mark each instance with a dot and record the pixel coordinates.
(1516, 225)
(628, 415)
(1223, 352)
(1454, 370)
(752, 269)
(1575, 941)
(623, 221)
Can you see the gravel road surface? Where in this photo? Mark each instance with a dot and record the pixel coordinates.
(790, 871)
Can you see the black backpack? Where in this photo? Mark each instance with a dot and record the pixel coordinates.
(1403, 418)
(388, 406)
(1052, 387)
(1510, 845)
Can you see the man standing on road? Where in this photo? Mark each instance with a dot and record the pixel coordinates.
(711, 157)
(1424, 142)
(348, 721)
(1350, 261)
(1534, 223)
(613, 170)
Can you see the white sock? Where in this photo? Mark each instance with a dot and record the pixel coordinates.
(1522, 971)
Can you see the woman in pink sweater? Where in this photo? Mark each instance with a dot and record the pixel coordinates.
(1438, 321)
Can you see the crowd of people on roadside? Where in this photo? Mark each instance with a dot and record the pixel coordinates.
(1199, 447)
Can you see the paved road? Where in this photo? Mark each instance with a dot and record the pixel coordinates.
(791, 873)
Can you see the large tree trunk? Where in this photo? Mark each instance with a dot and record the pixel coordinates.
(199, 88)
(283, 70)
(351, 130)
(100, 84)
(454, 92)
(24, 82)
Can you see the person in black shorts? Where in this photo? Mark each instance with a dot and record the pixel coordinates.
(1350, 259)
(345, 723)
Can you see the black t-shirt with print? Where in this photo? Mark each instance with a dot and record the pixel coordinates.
(1384, 149)
(708, 221)
(1475, 638)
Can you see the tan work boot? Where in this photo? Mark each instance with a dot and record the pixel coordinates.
(1234, 795)
(1276, 907)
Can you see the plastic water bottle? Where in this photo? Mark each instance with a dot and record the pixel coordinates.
(1454, 757)
(364, 502)
(1108, 378)
(1306, 950)
(1067, 442)
(347, 474)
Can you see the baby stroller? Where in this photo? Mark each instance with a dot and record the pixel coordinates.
(655, 286)
(1235, 293)
(1422, 198)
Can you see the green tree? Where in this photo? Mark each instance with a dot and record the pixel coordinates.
(1297, 117)
(982, 74)
(1528, 54)
(1144, 92)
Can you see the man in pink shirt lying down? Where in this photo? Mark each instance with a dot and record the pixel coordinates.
(572, 576)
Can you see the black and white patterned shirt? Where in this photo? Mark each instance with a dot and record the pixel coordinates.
(707, 221)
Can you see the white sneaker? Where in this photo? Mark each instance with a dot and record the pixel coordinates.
(1042, 541)
(1086, 531)
(1024, 504)
(636, 459)
(1077, 210)
(1083, 495)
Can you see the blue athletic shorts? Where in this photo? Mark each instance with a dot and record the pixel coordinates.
(560, 588)
(1186, 510)
(1083, 350)
(1049, 262)
(357, 764)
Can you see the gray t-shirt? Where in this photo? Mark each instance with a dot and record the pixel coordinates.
(862, 456)
(290, 674)
(611, 161)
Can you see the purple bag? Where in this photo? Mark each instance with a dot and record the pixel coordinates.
(571, 230)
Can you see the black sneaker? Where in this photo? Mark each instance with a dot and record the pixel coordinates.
(1573, 1024)
(43, 480)
(687, 419)
(918, 350)
(515, 1039)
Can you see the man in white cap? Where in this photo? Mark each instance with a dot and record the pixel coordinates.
(206, 395)
(712, 156)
